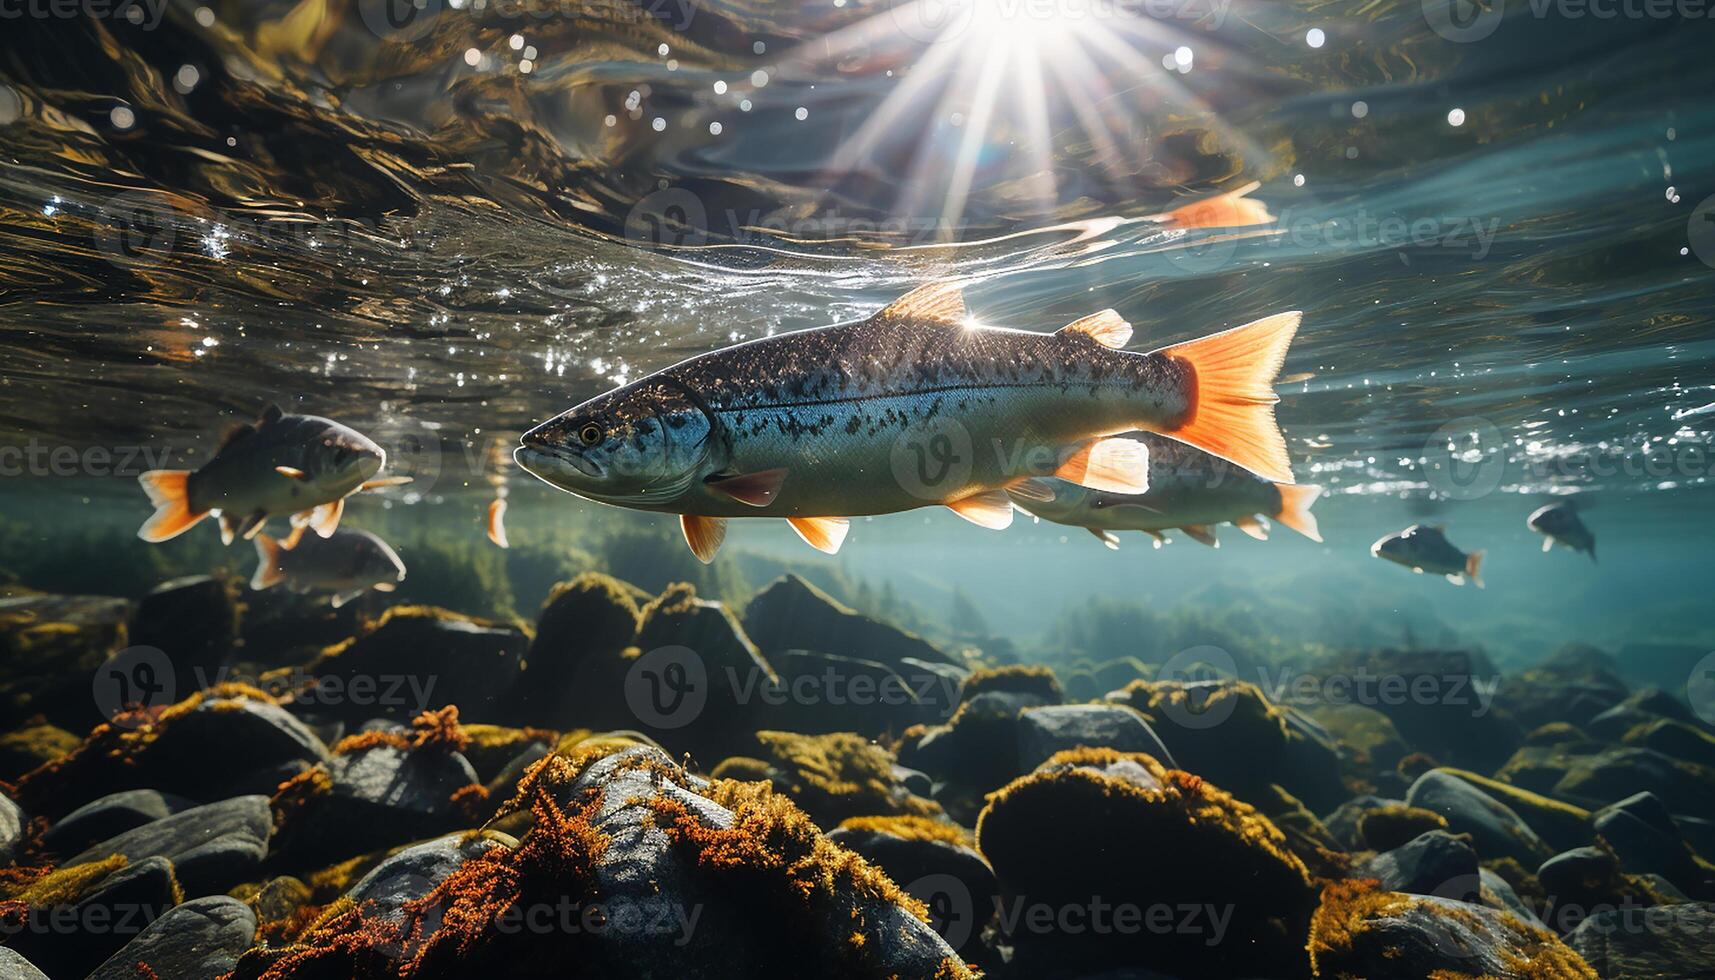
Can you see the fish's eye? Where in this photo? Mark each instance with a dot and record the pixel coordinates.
(589, 434)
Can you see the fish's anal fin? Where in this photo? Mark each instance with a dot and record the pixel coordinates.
(1113, 464)
(937, 302)
(268, 573)
(168, 491)
(1107, 538)
(825, 534)
(1107, 328)
(1474, 567)
(1294, 509)
(1202, 534)
(1232, 413)
(991, 509)
(703, 534)
(497, 522)
(1231, 209)
(751, 489)
(291, 472)
(1254, 526)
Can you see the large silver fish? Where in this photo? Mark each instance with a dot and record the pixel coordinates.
(1559, 523)
(301, 465)
(1188, 489)
(809, 426)
(347, 563)
(1425, 548)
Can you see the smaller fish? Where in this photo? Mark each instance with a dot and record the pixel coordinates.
(1425, 548)
(499, 464)
(302, 465)
(347, 563)
(1560, 524)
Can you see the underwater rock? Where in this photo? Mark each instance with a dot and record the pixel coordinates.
(694, 677)
(1616, 773)
(26, 748)
(936, 863)
(411, 874)
(1675, 738)
(1560, 825)
(1584, 879)
(194, 621)
(1434, 863)
(792, 614)
(1362, 731)
(845, 694)
(837, 776)
(975, 752)
(1449, 714)
(110, 816)
(1096, 829)
(1360, 931)
(1644, 836)
(1229, 732)
(16, 967)
(50, 648)
(1031, 681)
(1045, 731)
(104, 919)
(1344, 822)
(1306, 836)
(1573, 684)
(418, 658)
(1648, 944)
(12, 825)
(1639, 708)
(1387, 827)
(211, 847)
(491, 749)
(199, 940)
(574, 673)
(1496, 831)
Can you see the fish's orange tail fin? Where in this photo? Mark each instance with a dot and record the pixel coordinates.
(1232, 413)
(1229, 210)
(1294, 509)
(1474, 567)
(167, 490)
(268, 573)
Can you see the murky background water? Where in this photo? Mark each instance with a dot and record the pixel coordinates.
(445, 227)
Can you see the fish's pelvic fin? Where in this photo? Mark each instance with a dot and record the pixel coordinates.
(1202, 534)
(1231, 209)
(497, 522)
(324, 519)
(825, 534)
(751, 489)
(938, 302)
(1253, 526)
(1112, 464)
(1474, 567)
(1106, 328)
(168, 492)
(291, 540)
(268, 573)
(1031, 488)
(991, 509)
(1160, 539)
(1107, 538)
(703, 534)
(341, 598)
(252, 525)
(1294, 509)
(1232, 413)
(1457, 578)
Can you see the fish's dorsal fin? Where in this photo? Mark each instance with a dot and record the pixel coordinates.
(1107, 328)
(233, 433)
(937, 302)
(271, 413)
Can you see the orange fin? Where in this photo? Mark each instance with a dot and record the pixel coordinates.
(939, 302)
(1202, 534)
(383, 483)
(825, 534)
(1032, 488)
(291, 472)
(1232, 413)
(751, 489)
(297, 535)
(1160, 539)
(253, 525)
(268, 573)
(324, 520)
(991, 509)
(1108, 538)
(703, 534)
(1253, 526)
(1474, 567)
(1229, 210)
(173, 515)
(1106, 328)
(228, 527)
(1112, 464)
(1294, 510)
(496, 521)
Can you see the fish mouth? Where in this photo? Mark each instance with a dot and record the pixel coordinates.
(548, 462)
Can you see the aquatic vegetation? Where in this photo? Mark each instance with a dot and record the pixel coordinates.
(1032, 680)
(836, 776)
(1387, 827)
(912, 827)
(575, 665)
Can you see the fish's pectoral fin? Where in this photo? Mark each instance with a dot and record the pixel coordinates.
(1547, 544)
(1107, 328)
(1031, 488)
(937, 302)
(1108, 538)
(825, 534)
(1113, 464)
(291, 473)
(268, 573)
(1202, 534)
(341, 598)
(168, 490)
(991, 509)
(1253, 526)
(751, 489)
(497, 522)
(703, 534)
(324, 519)
(382, 483)
(1474, 567)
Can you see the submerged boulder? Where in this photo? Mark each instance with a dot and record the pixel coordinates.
(937, 863)
(1434, 863)
(837, 776)
(50, 649)
(211, 847)
(193, 621)
(1045, 731)
(792, 614)
(575, 671)
(111, 816)
(1496, 831)
(1648, 943)
(199, 940)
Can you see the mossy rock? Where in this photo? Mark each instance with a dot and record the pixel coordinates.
(792, 614)
(1368, 734)
(1451, 714)
(574, 673)
(1676, 738)
(1562, 825)
(1095, 822)
(1595, 779)
(1032, 680)
(50, 648)
(32, 746)
(834, 777)
(1388, 827)
(716, 709)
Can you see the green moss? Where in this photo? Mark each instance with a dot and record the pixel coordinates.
(1562, 825)
(1029, 679)
(33, 746)
(1387, 827)
(838, 776)
(913, 828)
(743, 769)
